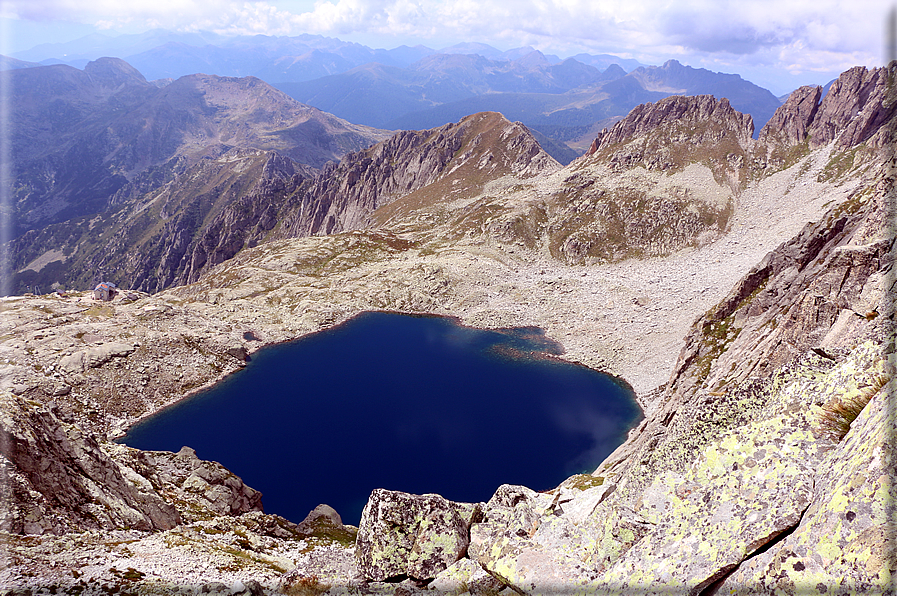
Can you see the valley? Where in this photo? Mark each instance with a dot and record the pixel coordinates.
(742, 286)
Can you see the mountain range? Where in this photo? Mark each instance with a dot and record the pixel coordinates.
(566, 102)
(85, 143)
(95, 148)
(160, 54)
(742, 287)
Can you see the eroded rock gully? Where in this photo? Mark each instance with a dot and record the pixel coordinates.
(764, 463)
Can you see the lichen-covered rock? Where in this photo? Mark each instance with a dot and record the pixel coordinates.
(465, 577)
(414, 535)
(845, 540)
(760, 481)
(542, 543)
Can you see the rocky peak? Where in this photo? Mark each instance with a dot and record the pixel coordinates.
(113, 72)
(677, 131)
(679, 111)
(791, 123)
(463, 155)
(856, 107)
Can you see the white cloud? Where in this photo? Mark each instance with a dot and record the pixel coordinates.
(801, 35)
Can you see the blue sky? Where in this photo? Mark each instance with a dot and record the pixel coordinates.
(776, 43)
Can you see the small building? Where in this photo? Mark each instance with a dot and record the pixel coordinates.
(104, 291)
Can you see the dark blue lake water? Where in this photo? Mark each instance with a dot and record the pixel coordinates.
(416, 404)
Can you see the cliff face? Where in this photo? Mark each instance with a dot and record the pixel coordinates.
(457, 158)
(855, 111)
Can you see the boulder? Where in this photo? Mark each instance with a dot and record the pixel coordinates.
(465, 577)
(550, 543)
(414, 535)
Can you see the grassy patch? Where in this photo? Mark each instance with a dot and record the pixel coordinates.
(838, 414)
(716, 337)
(582, 482)
(838, 164)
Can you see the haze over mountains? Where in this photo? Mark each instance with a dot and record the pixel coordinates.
(566, 102)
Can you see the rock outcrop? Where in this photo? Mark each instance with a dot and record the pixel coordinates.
(411, 535)
(57, 479)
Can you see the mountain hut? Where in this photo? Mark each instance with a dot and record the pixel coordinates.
(104, 291)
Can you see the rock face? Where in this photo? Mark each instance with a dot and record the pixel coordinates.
(855, 110)
(56, 478)
(791, 122)
(855, 107)
(410, 535)
(458, 158)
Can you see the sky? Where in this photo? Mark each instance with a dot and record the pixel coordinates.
(778, 44)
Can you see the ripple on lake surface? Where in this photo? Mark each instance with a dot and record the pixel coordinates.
(416, 404)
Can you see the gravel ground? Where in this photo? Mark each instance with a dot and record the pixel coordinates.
(630, 318)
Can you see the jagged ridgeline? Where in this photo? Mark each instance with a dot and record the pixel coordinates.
(764, 463)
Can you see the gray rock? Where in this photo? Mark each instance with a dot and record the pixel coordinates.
(94, 357)
(238, 352)
(58, 479)
(414, 535)
(791, 122)
(465, 576)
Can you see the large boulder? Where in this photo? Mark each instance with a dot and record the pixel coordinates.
(414, 535)
(558, 542)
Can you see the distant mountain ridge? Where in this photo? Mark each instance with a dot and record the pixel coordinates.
(160, 54)
(82, 137)
(566, 101)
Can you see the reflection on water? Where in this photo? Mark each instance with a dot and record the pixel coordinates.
(417, 404)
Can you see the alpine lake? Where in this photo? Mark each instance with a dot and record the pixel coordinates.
(418, 404)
